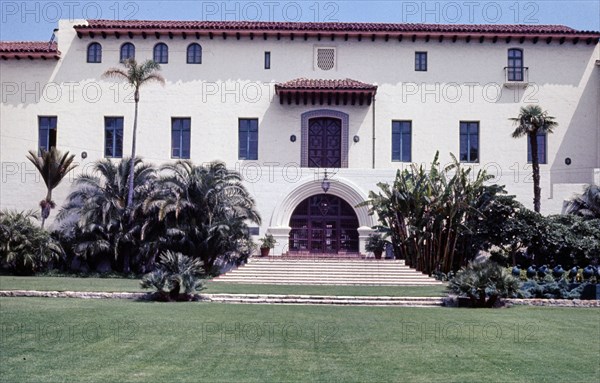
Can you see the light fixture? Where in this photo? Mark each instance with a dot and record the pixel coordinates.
(325, 184)
(356, 138)
(293, 138)
(567, 161)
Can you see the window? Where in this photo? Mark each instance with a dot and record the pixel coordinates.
(94, 53)
(127, 52)
(325, 58)
(401, 141)
(515, 65)
(113, 137)
(469, 141)
(421, 61)
(542, 139)
(248, 139)
(194, 54)
(267, 60)
(161, 53)
(47, 132)
(180, 138)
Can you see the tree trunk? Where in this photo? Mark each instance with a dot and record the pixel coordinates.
(535, 162)
(132, 161)
(47, 207)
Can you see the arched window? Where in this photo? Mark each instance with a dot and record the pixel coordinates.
(127, 51)
(94, 53)
(161, 53)
(194, 54)
(515, 65)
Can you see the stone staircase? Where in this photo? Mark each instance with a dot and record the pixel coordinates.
(326, 271)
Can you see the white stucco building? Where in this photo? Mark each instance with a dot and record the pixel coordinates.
(283, 102)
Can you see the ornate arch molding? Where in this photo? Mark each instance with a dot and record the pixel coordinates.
(324, 113)
(340, 187)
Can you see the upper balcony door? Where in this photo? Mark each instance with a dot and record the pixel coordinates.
(325, 142)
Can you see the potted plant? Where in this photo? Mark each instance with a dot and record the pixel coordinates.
(266, 244)
(376, 244)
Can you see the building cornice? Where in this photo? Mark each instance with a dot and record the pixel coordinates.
(360, 31)
(29, 50)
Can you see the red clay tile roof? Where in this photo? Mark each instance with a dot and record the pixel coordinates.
(311, 84)
(27, 47)
(333, 27)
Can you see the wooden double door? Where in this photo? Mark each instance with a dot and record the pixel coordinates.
(324, 143)
(324, 224)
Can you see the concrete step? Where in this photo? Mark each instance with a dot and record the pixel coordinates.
(326, 271)
(333, 272)
(324, 300)
(325, 277)
(373, 282)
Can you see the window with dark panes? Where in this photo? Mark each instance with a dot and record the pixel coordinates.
(515, 65)
(248, 139)
(542, 139)
(469, 141)
(113, 137)
(47, 132)
(421, 61)
(94, 53)
(180, 138)
(401, 141)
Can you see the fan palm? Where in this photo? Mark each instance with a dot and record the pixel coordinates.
(531, 121)
(24, 246)
(53, 167)
(98, 207)
(205, 208)
(586, 205)
(136, 76)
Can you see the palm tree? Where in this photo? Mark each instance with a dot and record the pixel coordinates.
(136, 76)
(205, 209)
(531, 121)
(97, 206)
(25, 247)
(53, 166)
(586, 205)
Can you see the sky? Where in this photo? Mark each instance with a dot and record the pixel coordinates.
(36, 20)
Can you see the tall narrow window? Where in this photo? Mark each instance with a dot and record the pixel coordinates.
(113, 137)
(542, 139)
(267, 60)
(401, 141)
(127, 52)
(94, 53)
(194, 54)
(180, 138)
(421, 61)
(515, 65)
(248, 139)
(47, 132)
(469, 141)
(161, 53)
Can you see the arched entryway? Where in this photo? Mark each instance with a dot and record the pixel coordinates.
(324, 224)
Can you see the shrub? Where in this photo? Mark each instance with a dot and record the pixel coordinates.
(175, 272)
(484, 283)
(549, 290)
(25, 248)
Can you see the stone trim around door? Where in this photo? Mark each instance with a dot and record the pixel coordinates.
(340, 187)
(305, 118)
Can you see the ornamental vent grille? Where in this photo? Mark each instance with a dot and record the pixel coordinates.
(325, 58)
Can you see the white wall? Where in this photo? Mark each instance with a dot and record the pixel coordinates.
(564, 80)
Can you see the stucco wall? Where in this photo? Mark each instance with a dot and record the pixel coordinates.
(462, 83)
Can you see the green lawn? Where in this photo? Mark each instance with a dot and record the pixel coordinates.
(132, 285)
(76, 340)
